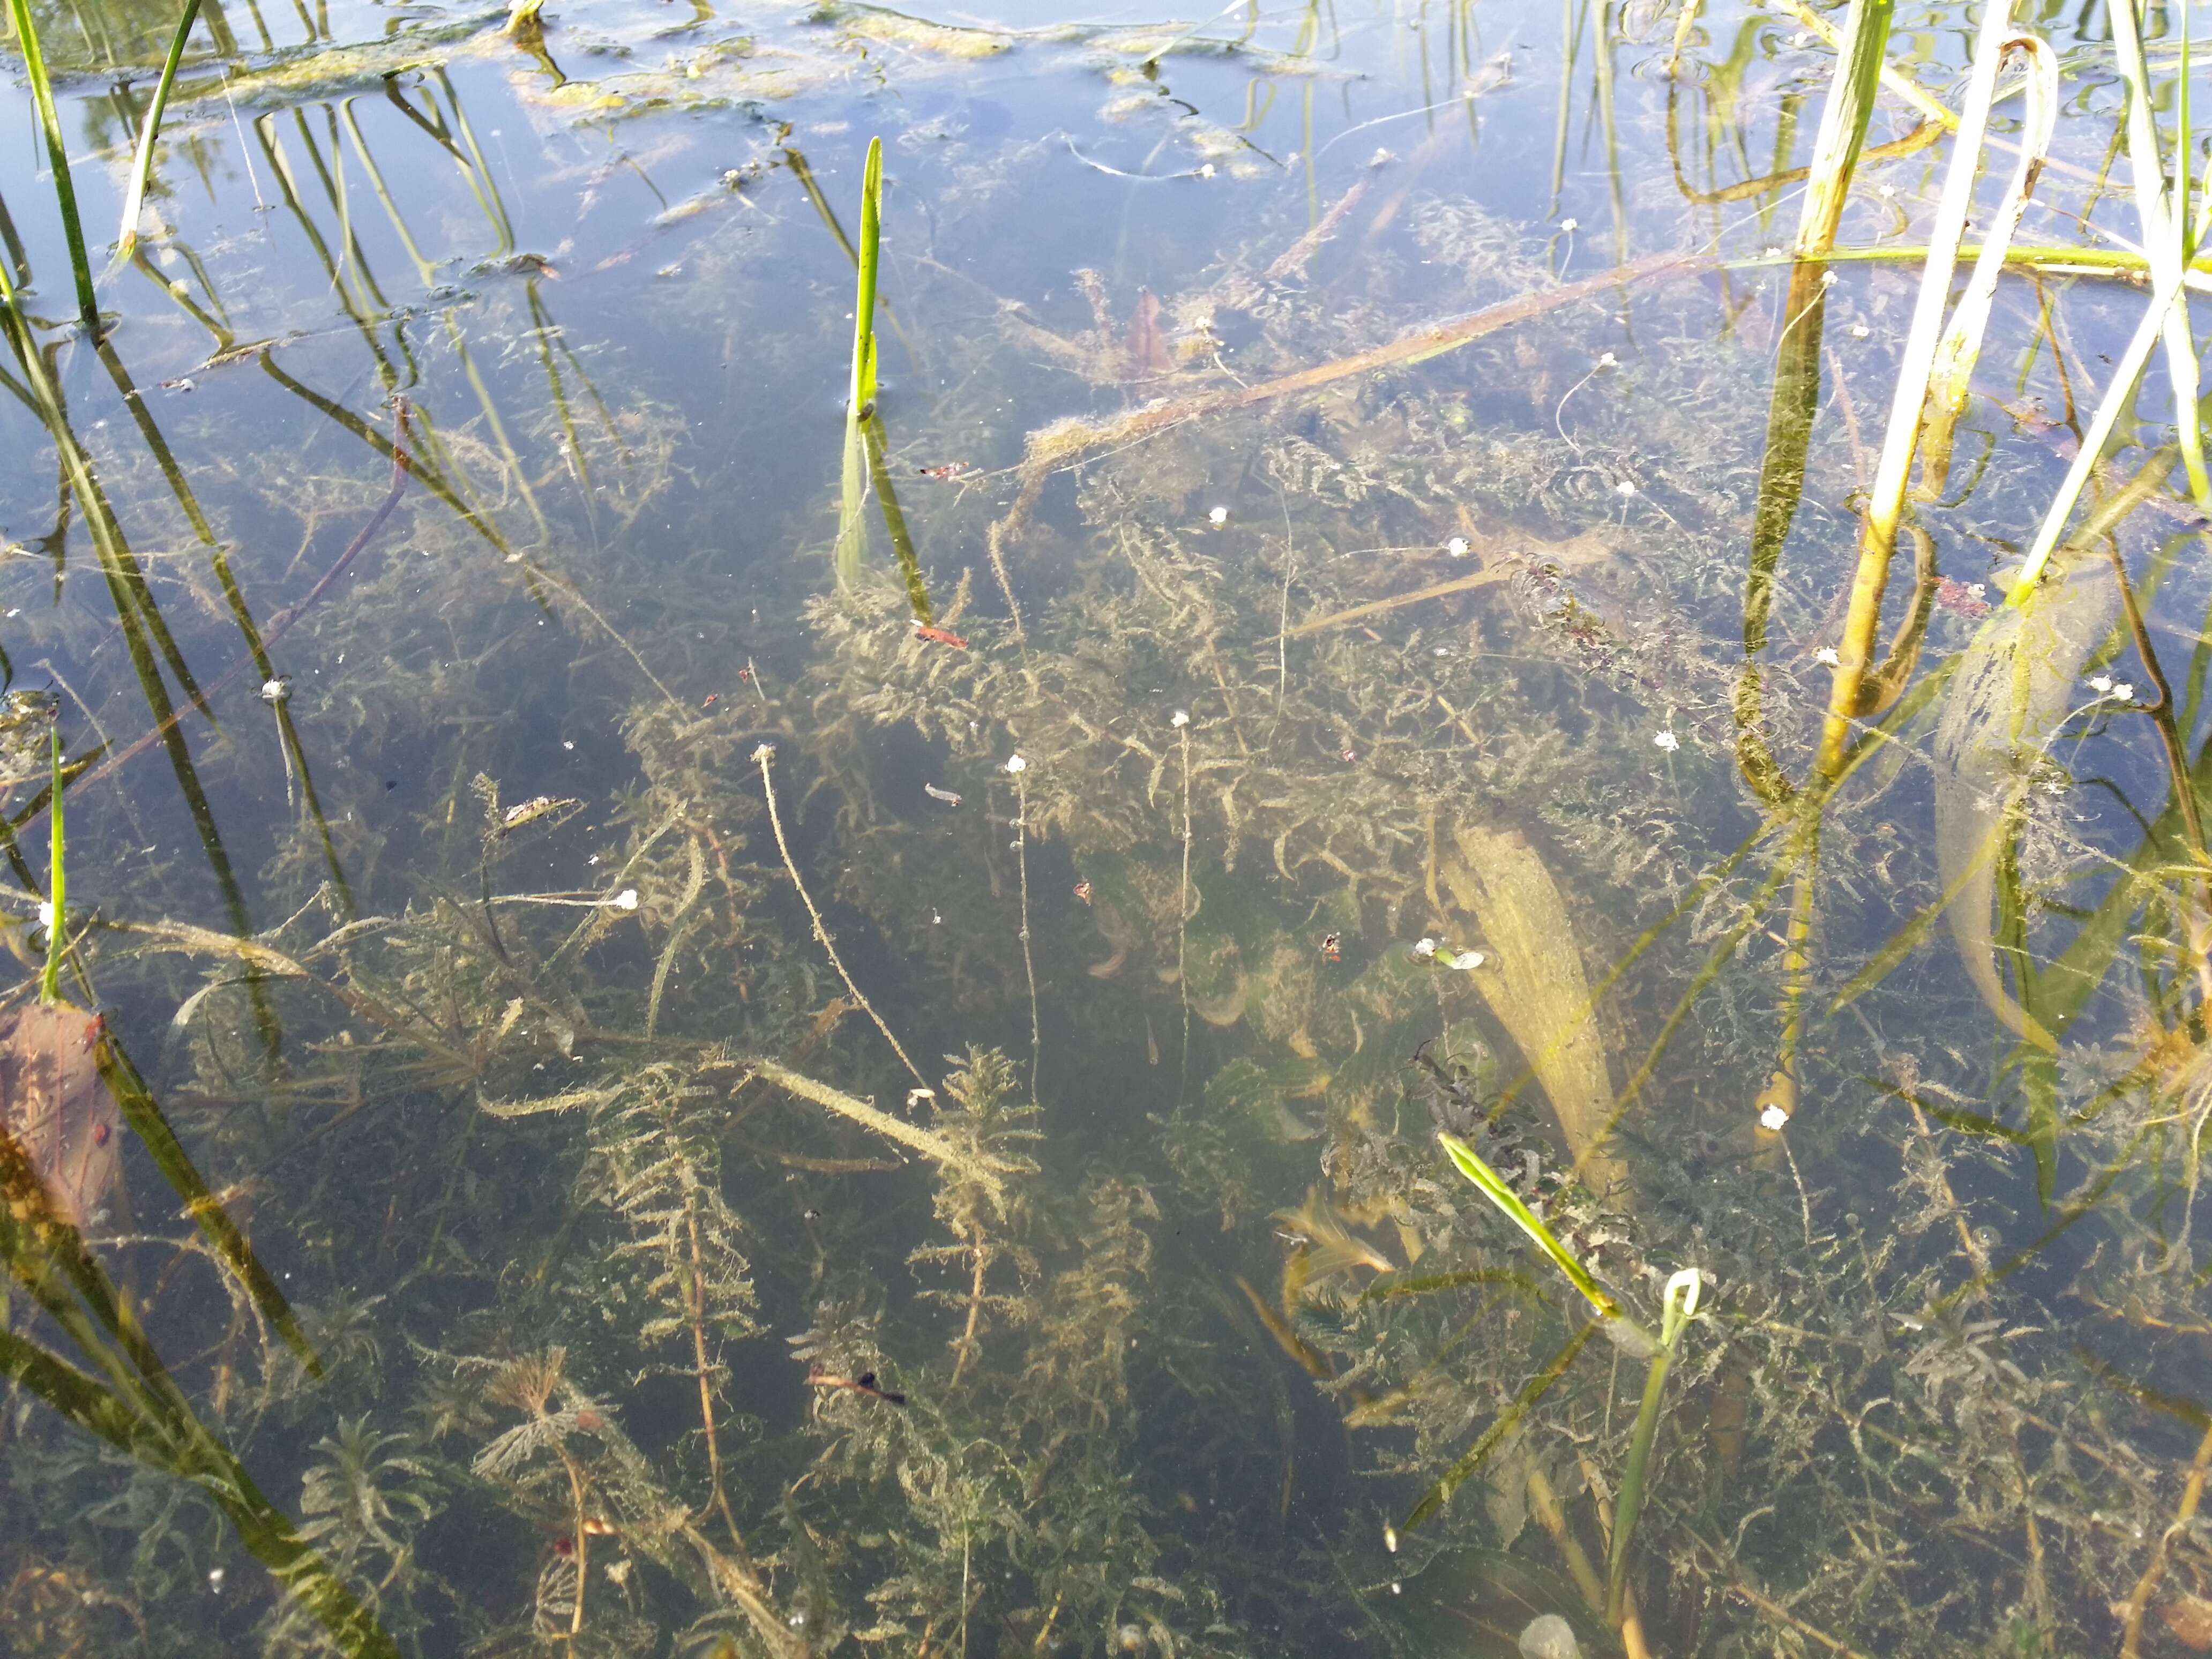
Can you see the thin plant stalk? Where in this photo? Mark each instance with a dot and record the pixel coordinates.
(142, 164)
(1680, 1302)
(762, 755)
(2125, 373)
(1017, 767)
(1885, 507)
(2165, 231)
(860, 393)
(50, 124)
(50, 981)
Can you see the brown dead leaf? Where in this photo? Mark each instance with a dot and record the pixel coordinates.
(2189, 1618)
(54, 1103)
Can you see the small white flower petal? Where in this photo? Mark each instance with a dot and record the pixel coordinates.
(2101, 683)
(1015, 764)
(1827, 657)
(625, 899)
(1181, 718)
(1425, 948)
(1773, 1118)
(1217, 516)
(1466, 961)
(2124, 692)
(1570, 224)
(1667, 741)
(1457, 547)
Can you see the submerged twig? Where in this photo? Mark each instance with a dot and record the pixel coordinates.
(764, 755)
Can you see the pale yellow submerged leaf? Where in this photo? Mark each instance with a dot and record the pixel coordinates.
(2016, 683)
(1535, 985)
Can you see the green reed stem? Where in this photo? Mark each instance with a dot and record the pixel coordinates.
(50, 122)
(1843, 124)
(860, 394)
(1885, 506)
(50, 981)
(142, 164)
(1687, 1285)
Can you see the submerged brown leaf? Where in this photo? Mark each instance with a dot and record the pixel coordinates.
(55, 1104)
(1537, 988)
(2189, 1618)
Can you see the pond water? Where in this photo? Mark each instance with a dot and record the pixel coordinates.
(716, 1036)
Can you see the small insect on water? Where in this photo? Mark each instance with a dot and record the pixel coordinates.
(1331, 947)
(1083, 891)
(939, 636)
(951, 473)
(864, 1383)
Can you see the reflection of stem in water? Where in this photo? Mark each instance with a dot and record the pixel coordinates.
(1571, 15)
(917, 594)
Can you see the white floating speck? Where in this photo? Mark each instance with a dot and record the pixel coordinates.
(1181, 718)
(1570, 224)
(275, 691)
(1016, 764)
(1425, 948)
(1457, 547)
(1667, 741)
(1773, 1118)
(625, 899)
(1826, 656)
(1217, 516)
(2103, 683)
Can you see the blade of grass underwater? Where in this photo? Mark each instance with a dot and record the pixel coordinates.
(141, 165)
(1471, 1165)
(860, 395)
(50, 123)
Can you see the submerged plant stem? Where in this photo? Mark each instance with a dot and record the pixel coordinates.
(764, 755)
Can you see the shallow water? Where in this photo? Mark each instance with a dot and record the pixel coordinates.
(570, 868)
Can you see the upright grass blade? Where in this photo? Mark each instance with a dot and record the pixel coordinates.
(142, 164)
(50, 981)
(1843, 124)
(50, 122)
(1680, 1300)
(860, 396)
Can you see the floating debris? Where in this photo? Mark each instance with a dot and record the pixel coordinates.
(950, 797)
